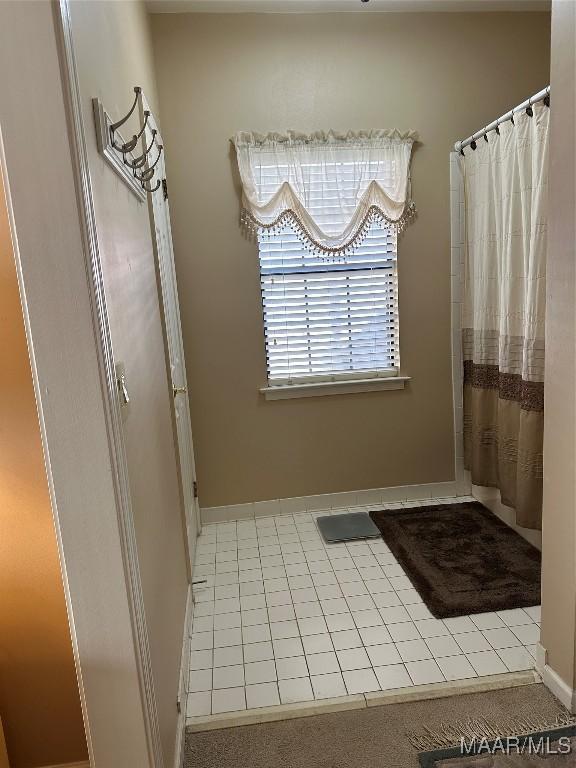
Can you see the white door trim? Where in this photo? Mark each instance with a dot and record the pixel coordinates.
(7, 200)
(109, 389)
(183, 683)
(161, 233)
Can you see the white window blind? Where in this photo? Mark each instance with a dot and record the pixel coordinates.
(329, 319)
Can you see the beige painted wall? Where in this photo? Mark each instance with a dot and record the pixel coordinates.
(38, 687)
(559, 518)
(442, 74)
(113, 54)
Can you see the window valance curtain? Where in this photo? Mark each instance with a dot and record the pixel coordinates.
(328, 187)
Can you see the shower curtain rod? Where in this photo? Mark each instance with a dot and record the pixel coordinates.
(540, 96)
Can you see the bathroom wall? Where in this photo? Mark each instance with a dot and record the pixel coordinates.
(443, 74)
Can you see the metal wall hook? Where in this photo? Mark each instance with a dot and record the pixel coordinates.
(114, 127)
(151, 189)
(149, 172)
(146, 175)
(139, 161)
(130, 145)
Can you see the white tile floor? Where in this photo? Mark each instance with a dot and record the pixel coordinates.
(285, 618)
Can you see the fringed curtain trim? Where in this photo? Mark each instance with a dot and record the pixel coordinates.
(329, 188)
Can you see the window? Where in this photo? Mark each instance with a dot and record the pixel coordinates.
(327, 208)
(329, 318)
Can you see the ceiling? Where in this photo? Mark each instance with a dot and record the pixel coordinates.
(347, 6)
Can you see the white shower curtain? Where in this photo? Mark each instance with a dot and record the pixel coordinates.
(506, 194)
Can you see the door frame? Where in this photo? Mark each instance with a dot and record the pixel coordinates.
(166, 279)
(126, 528)
(42, 147)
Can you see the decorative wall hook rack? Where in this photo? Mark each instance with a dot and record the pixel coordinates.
(119, 153)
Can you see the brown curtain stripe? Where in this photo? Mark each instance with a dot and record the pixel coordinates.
(510, 386)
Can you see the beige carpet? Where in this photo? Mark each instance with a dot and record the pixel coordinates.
(375, 737)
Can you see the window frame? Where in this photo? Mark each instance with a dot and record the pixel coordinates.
(359, 379)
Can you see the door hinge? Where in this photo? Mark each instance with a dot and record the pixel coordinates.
(165, 189)
(178, 705)
(195, 486)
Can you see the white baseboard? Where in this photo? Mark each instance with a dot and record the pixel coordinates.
(541, 658)
(552, 680)
(183, 682)
(372, 496)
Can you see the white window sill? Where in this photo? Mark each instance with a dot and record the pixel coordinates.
(342, 387)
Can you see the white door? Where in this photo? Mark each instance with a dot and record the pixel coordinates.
(162, 237)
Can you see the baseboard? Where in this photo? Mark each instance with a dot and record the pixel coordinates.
(552, 680)
(372, 496)
(559, 688)
(541, 658)
(183, 682)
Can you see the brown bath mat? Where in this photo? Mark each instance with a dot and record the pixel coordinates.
(461, 558)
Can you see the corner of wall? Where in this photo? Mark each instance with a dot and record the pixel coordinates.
(457, 251)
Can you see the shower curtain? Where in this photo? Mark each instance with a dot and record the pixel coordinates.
(506, 192)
